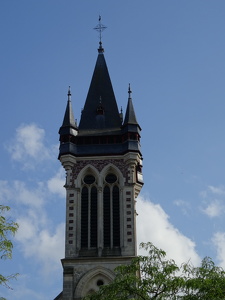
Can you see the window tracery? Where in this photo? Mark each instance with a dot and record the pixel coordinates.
(108, 216)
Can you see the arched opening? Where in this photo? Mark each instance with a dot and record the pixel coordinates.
(89, 215)
(111, 215)
(100, 213)
(116, 217)
(92, 280)
(107, 217)
(94, 217)
(84, 217)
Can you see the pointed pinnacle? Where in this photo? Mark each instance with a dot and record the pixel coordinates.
(69, 94)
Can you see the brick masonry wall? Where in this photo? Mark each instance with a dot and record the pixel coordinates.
(99, 165)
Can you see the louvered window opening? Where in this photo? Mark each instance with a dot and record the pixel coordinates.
(107, 217)
(89, 217)
(93, 218)
(84, 218)
(110, 214)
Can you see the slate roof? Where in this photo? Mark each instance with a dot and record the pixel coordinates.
(69, 124)
(100, 112)
(130, 117)
(101, 130)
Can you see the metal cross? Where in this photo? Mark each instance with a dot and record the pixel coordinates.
(100, 27)
(129, 91)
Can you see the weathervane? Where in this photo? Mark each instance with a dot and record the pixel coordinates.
(100, 27)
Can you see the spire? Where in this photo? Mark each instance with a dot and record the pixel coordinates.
(121, 114)
(100, 112)
(130, 117)
(100, 88)
(69, 117)
(68, 121)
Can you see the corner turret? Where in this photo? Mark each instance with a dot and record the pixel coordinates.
(130, 117)
(69, 129)
(131, 129)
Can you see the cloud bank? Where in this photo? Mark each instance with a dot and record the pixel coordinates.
(213, 201)
(153, 225)
(38, 237)
(28, 146)
(219, 242)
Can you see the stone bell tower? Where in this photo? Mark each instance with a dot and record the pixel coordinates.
(103, 164)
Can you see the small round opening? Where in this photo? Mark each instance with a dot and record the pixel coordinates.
(111, 178)
(89, 179)
(100, 282)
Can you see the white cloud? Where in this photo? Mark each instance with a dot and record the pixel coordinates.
(214, 209)
(24, 195)
(38, 243)
(51, 246)
(56, 183)
(219, 241)
(213, 201)
(153, 226)
(27, 229)
(18, 192)
(5, 192)
(213, 190)
(21, 289)
(38, 238)
(28, 146)
(217, 190)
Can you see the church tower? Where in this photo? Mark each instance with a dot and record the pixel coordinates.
(103, 164)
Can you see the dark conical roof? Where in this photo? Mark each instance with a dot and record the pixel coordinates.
(100, 131)
(130, 117)
(68, 121)
(100, 112)
(68, 117)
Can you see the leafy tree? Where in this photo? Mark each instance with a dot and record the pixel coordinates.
(205, 282)
(155, 277)
(7, 229)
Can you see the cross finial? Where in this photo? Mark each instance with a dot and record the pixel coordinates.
(100, 27)
(69, 94)
(129, 91)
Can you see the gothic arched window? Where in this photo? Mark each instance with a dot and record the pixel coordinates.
(111, 212)
(89, 213)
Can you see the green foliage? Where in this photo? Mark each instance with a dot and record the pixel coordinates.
(205, 282)
(155, 277)
(7, 229)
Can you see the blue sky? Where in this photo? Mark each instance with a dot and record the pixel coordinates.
(172, 53)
